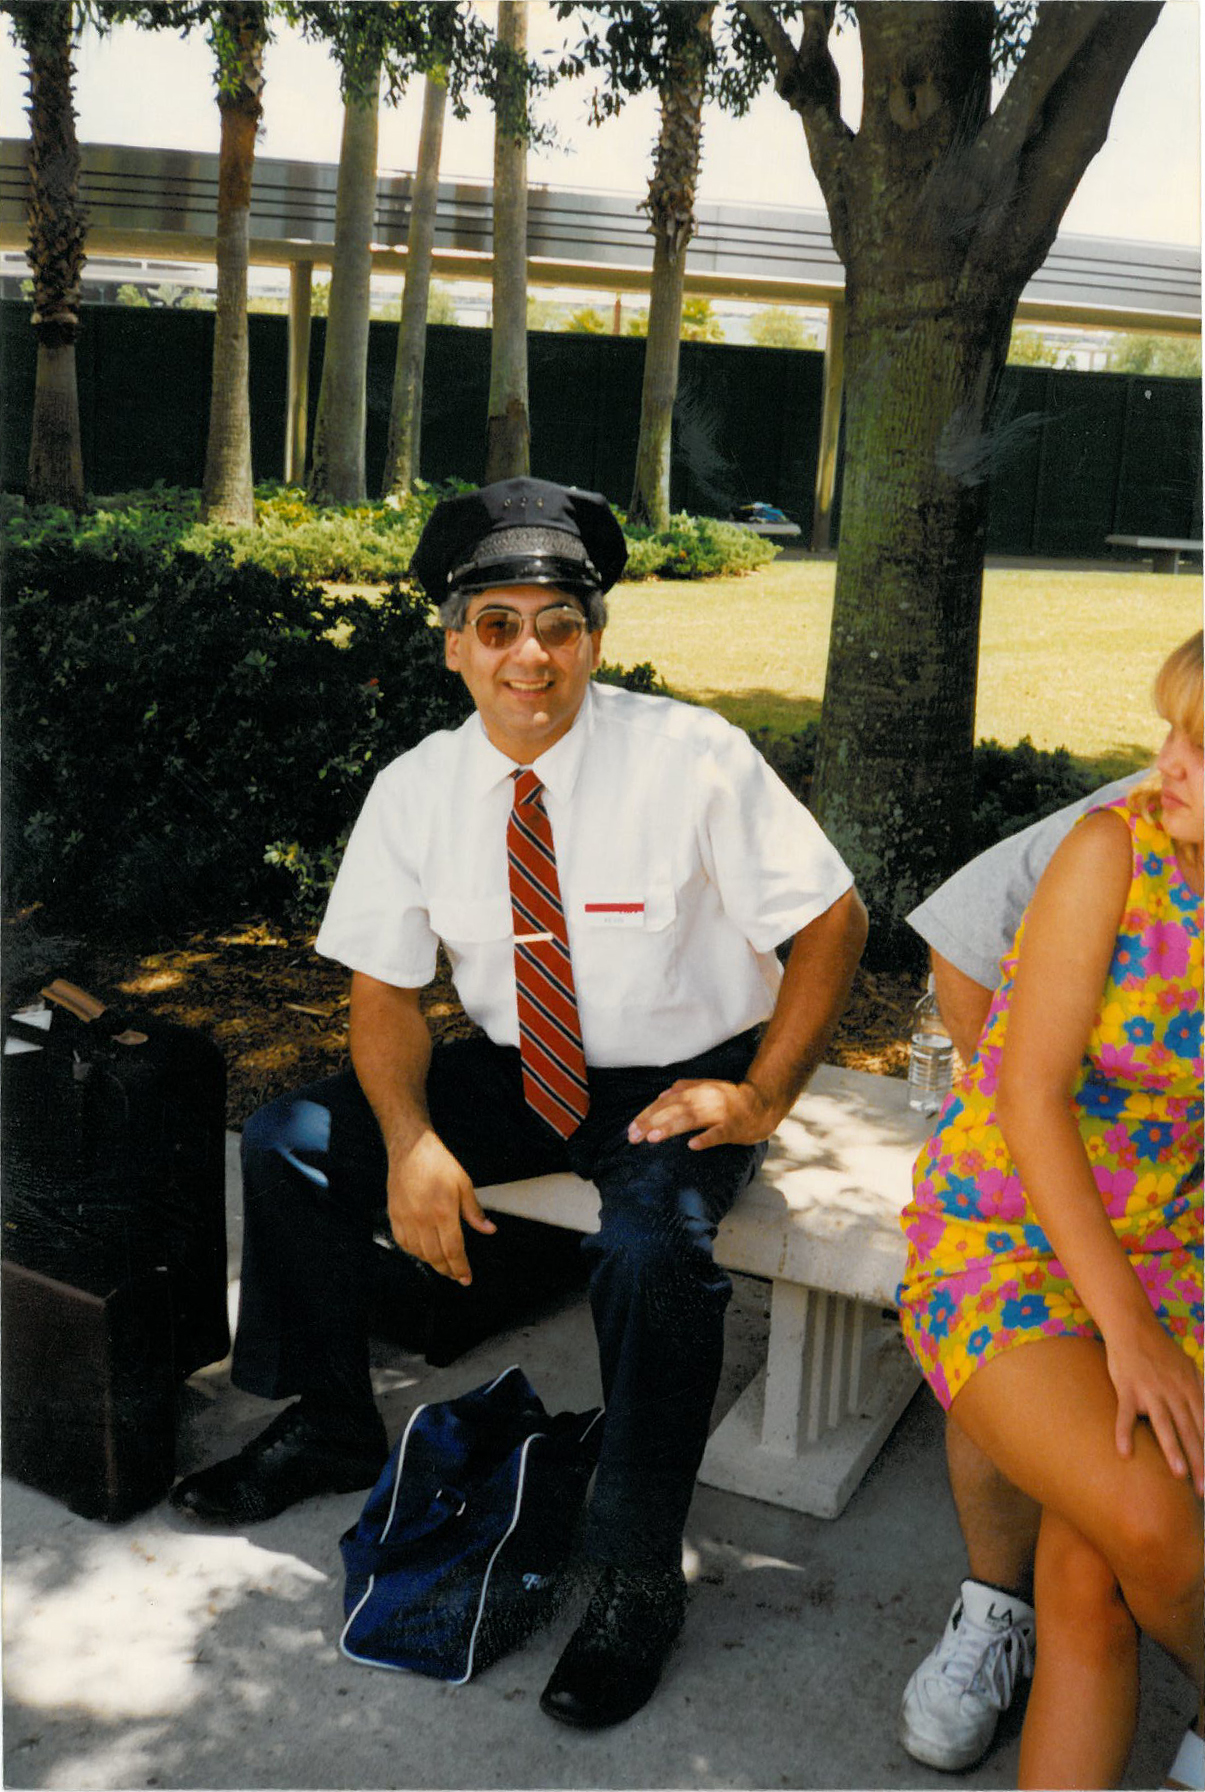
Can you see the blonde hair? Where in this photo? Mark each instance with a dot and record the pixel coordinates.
(1178, 687)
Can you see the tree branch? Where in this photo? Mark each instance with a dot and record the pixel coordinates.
(807, 79)
(1059, 124)
(1058, 37)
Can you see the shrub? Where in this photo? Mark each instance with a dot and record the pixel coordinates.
(695, 548)
(643, 678)
(1016, 786)
(366, 544)
(359, 544)
(1012, 786)
(168, 714)
(792, 756)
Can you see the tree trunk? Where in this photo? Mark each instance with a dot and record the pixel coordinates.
(508, 432)
(57, 228)
(941, 208)
(403, 454)
(228, 494)
(670, 206)
(337, 470)
(892, 783)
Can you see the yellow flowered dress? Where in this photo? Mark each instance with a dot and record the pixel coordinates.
(981, 1276)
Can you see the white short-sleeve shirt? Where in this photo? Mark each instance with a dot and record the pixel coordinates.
(683, 862)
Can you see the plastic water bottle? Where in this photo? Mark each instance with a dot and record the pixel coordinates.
(931, 1055)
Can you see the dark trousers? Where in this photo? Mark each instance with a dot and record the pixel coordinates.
(314, 1173)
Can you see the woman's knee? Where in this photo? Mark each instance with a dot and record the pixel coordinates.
(1077, 1590)
(1158, 1542)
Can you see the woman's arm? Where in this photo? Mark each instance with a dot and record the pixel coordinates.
(1070, 934)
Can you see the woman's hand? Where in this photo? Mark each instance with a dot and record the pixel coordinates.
(1155, 1380)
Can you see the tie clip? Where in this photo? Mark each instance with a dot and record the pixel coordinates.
(532, 939)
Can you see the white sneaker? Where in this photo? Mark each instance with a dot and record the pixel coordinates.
(953, 1701)
(1188, 1768)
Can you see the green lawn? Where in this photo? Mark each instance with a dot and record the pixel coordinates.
(1066, 657)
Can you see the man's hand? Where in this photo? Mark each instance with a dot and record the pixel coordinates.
(429, 1195)
(727, 1113)
(815, 987)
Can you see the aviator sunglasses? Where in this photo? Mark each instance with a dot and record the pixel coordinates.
(560, 625)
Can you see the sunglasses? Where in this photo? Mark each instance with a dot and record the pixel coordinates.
(560, 625)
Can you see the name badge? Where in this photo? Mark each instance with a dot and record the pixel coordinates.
(615, 914)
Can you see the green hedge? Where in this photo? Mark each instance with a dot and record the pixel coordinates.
(695, 547)
(187, 736)
(1012, 786)
(362, 544)
(168, 714)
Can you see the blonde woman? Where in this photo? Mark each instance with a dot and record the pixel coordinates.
(1052, 1295)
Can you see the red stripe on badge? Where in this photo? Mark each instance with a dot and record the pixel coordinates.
(614, 908)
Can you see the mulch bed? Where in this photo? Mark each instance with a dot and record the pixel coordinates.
(279, 1012)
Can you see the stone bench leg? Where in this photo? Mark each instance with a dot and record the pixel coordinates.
(804, 1432)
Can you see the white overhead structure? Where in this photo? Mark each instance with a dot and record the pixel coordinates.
(162, 204)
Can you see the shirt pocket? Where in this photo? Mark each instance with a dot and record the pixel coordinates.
(625, 946)
(465, 922)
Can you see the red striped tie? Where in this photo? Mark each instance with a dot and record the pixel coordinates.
(550, 1033)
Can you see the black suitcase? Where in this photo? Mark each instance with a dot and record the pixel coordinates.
(114, 1140)
(114, 1237)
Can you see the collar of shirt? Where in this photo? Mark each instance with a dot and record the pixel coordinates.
(557, 769)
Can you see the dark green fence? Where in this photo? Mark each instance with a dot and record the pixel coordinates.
(1077, 456)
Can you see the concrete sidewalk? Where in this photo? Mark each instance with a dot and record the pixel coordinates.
(154, 1654)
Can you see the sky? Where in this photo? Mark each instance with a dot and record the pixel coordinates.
(156, 90)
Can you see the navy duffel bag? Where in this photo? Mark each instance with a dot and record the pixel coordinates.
(460, 1551)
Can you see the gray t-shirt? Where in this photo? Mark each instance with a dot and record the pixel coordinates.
(973, 917)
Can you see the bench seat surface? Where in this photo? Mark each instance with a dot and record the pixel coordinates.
(820, 1222)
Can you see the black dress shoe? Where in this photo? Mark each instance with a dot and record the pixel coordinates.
(291, 1460)
(613, 1660)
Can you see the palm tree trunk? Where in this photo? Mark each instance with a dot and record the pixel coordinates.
(57, 228)
(337, 471)
(227, 494)
(508, 430)
(670, 206)
(403, 461)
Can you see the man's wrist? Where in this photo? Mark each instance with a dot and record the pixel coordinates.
(404, 1132)
(770, 1107)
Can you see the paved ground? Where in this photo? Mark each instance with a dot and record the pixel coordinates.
(156, 1655)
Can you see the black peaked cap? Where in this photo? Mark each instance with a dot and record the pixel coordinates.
(458, 532)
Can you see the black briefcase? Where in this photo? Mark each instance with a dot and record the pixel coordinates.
(114, 1245)
(89, 1407)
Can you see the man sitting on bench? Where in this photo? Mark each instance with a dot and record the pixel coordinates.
(611, 875)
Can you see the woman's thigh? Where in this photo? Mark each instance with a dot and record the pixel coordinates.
(1045, 1413)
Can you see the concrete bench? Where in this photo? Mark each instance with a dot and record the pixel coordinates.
(820, 1222)
(1166, 552)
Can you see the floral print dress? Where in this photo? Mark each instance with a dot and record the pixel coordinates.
(981, 1276)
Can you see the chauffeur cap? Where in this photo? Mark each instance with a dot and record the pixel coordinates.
(520, 532)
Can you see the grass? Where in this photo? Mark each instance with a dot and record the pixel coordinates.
(1066, 656)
